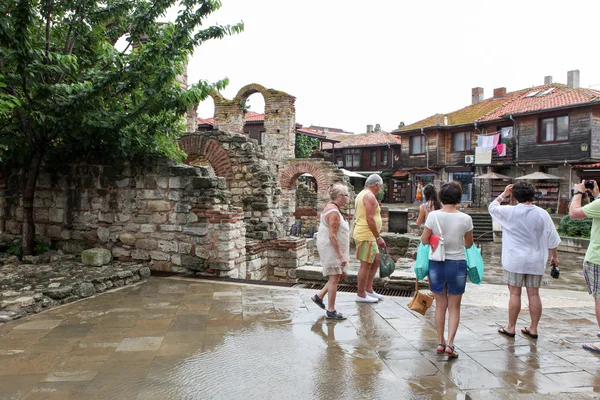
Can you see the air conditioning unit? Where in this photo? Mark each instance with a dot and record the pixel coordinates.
(469, 159)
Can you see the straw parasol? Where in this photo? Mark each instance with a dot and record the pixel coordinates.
(492, 175)
(539, 176)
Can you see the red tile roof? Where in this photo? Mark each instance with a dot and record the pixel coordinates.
(400, 174)
(311, 132)
(515, 102)
(363, 140)
(582, 166)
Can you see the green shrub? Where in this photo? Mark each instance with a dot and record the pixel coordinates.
(575, 228)
(14, 249)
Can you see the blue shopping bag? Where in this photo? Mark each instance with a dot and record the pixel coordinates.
(474, 264)
(421, 266)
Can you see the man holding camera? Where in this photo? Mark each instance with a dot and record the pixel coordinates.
(591, 264)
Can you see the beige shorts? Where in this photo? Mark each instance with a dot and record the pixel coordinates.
(522, 280)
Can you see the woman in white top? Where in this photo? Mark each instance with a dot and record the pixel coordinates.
(448, 279)
(333, 244)
(527, 234)
(432, 203)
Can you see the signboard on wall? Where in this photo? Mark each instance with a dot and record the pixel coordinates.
(483, 156)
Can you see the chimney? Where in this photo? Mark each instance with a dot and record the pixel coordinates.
(476, 95)
(548, 80)
(369, 128)
(573, 79)
(377, 128)
(499, 92)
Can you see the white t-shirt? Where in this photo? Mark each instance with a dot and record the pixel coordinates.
(454, 227)
(527, 234)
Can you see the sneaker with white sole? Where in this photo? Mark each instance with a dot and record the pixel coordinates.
(376, 295)
(366, 299)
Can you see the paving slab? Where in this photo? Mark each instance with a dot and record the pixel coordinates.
(174, 338)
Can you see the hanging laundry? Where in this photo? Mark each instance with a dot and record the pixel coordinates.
(480, 140)
(496, 139)
(501, 150)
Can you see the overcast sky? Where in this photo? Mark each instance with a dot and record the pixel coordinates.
(352, 63)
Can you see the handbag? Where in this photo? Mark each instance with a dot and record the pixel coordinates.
(437, 251)
(387, 265)
(475, 265)
(420, 301)
(421, 267)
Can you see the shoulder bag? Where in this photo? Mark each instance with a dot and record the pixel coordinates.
(436, 244)
(420, 301)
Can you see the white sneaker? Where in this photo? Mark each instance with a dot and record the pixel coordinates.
(376, 295)
(366, 299)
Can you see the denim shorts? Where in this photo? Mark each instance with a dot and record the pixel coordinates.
(452, 273)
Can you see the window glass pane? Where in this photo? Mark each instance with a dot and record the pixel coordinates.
(415, 145)
(373, 158)
(458, 142)
(562, 128)
(349, 160)
(384, 157)
(467, 141)
(547, 130)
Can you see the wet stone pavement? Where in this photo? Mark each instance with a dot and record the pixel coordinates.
(175, 338)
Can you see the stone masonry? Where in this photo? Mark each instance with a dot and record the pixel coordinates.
(176, 217)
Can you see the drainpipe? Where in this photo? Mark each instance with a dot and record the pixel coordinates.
(426, 149)
(516, 130)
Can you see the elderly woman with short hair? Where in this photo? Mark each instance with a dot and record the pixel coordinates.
(527, 234)
(448, 279)
(333, 244)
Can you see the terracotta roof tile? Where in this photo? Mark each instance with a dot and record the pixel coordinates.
(311, 132)
(363, 140)
(512, 103)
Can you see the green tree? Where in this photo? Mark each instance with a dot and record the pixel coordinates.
(66, 90)
(305, 145)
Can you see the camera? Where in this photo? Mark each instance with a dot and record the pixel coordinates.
(589, 184)
(554, 272)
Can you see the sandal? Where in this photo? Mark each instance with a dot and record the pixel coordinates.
(525, 331)
(593, 347)
(505, 332)
(443, 346)
(335, 315)
(452, 353)
(318, 301)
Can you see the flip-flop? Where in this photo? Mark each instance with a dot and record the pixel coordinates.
(452, 354)
(318, 301)
(591, 347)
(525, 331)
(443, 346)
(504, 332)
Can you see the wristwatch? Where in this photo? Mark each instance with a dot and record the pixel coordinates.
(577, 192)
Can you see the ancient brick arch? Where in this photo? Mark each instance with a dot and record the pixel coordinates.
(324, 172)
(250, 181)
(196, 146)
(280, 121)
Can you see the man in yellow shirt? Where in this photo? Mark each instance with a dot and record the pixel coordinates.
(367, 226)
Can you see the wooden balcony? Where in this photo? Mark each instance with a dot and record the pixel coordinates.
(507, 159)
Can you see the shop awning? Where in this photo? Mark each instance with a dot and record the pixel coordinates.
(540, 176)
(400, 174)
(492, 175)
(352, 174)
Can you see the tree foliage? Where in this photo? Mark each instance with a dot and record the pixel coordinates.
(305, 146)
(575, 228)
(66, 89)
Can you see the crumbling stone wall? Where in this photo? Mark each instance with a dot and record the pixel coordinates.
(280, 121)
(253, 186)
(306, 207)
(176, 217)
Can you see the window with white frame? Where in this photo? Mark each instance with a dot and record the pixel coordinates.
(417, 145)
(461, 141)
(353, 158)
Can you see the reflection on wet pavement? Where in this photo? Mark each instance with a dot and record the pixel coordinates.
(189, 339)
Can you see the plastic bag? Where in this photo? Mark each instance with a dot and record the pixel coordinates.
(387, 265)
(474, 264)
(421, 266)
